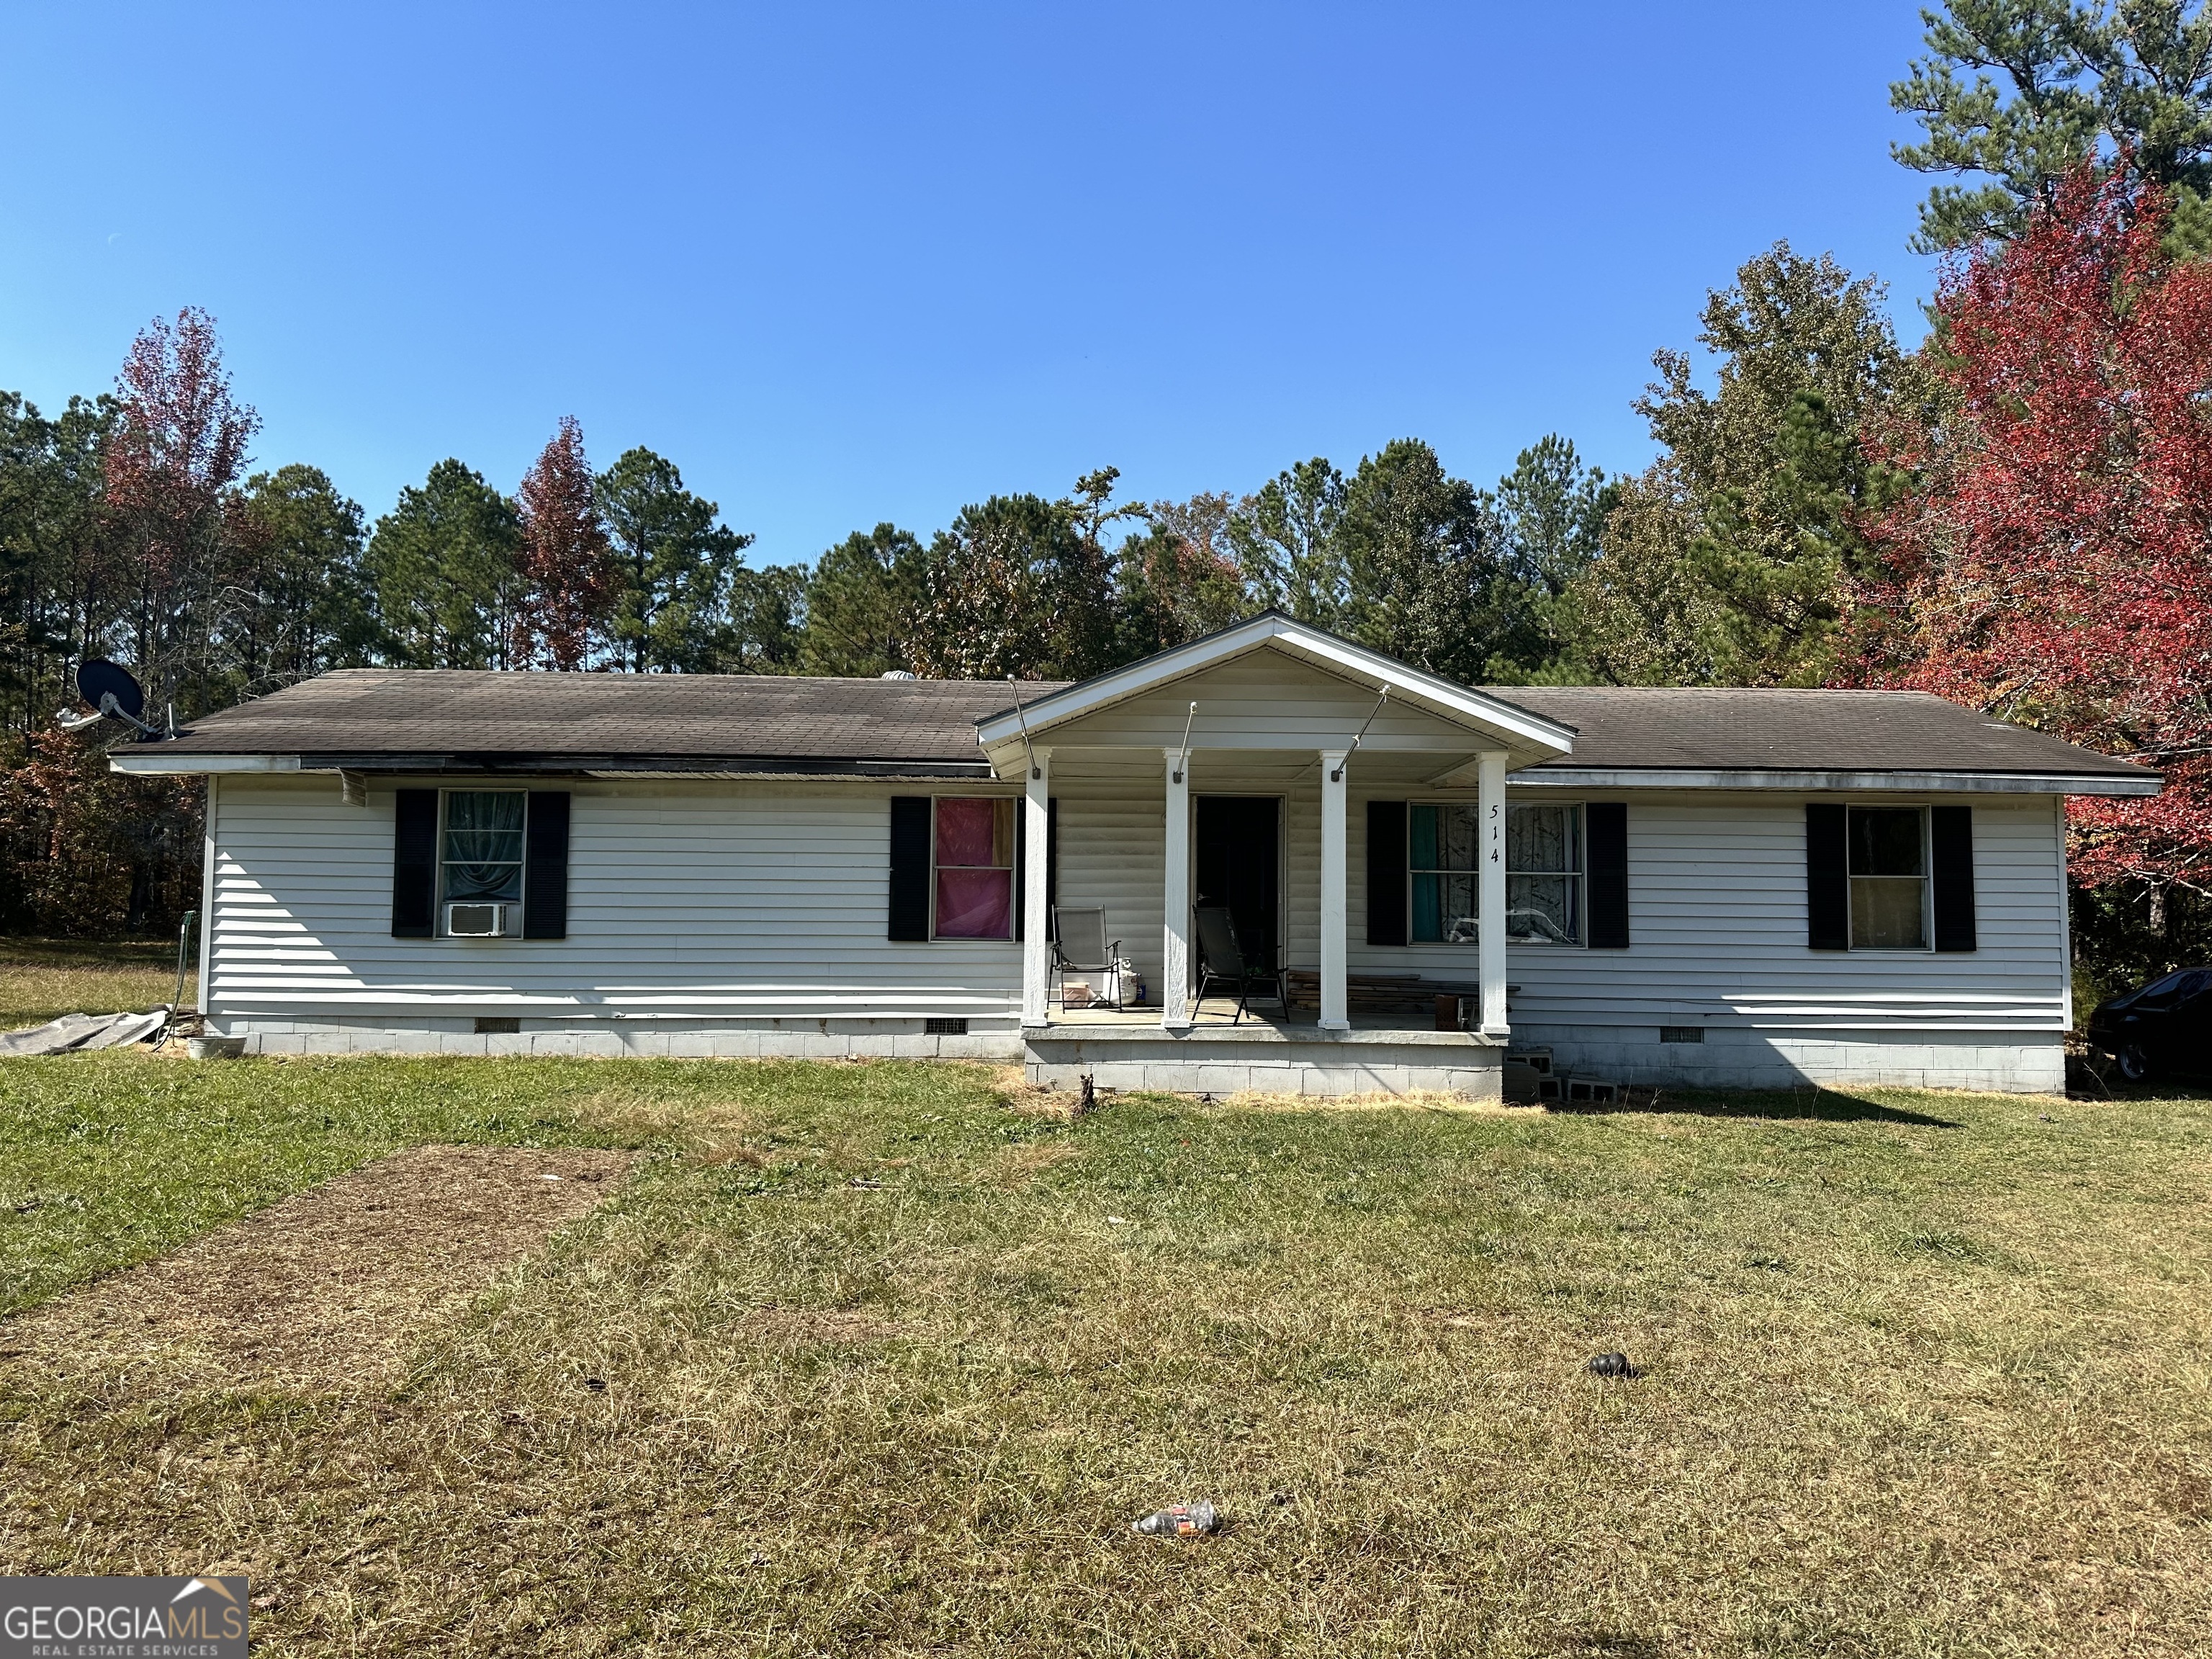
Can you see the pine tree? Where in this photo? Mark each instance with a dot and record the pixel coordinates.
(678, 567)
(442, 571)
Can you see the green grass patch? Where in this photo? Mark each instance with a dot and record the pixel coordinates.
(890, 1367)
(44, 979)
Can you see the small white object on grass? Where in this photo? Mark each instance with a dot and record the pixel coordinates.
(548, 1177)
(1116, 1221)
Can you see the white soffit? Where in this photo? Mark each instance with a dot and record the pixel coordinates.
(1490, 716)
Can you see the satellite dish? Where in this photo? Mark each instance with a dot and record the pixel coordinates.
(111, 692)
(98, 679)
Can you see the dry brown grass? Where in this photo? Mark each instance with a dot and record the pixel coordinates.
(331, 1288)
(1415, 1100)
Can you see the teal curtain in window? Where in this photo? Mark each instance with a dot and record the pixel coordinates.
(1428, 888)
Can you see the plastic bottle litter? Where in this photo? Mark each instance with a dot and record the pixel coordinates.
(1190, 1520)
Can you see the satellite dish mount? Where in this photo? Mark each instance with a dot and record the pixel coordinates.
(111, 693)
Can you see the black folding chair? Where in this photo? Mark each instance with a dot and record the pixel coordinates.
(1080, 946)
(1222, 961)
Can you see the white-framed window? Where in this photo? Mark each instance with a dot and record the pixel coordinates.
(972, 872)
(480, 842)
(1889, 864)
(1544, 872)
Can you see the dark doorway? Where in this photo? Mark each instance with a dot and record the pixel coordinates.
(1238, 864)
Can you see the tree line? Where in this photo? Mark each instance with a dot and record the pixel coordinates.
(1828, 506)
(130, 527)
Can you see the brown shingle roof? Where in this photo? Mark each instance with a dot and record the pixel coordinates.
(412, 718)
(393, 715)
(1703, 728)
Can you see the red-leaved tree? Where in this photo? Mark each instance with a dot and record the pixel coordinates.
(2055, 566)
(175, 455)
(568, 568)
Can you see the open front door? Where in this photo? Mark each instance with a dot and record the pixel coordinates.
(1239, 863)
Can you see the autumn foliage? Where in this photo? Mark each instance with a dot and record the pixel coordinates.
(2054, 567)
(567, 566)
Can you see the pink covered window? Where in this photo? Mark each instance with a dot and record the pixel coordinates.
(975, 869)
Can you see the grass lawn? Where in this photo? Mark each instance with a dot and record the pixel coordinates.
(44, 979)
(891, 1364)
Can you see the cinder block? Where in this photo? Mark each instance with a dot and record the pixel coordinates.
(1224, 1079)
(982, 1045)
(1171, 1079)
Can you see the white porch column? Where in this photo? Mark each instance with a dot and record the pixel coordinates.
(1335, 1005)
(1490, 887)
(1175, 898)
(1036, 915)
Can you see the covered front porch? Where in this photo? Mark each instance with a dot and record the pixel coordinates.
(1234, 774)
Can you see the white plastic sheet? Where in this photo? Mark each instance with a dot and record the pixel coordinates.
(74, 1032)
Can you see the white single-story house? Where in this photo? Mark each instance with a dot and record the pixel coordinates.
(1692, 887)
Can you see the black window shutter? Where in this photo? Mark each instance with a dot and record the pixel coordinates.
(546, 865)
(1052, 854)
(415, 864)
(1950, 831)
(1022, 864)
(910, 907)
(1606, 824)
(1827, 879)
(1386, 872)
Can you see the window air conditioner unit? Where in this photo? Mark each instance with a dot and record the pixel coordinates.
(477, 919)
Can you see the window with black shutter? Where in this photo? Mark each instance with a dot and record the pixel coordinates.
(415, 864)
(1827, 878)
(1386, 872)
(1606, 825)
(1951, 847)
(546, 865)
(910, 868)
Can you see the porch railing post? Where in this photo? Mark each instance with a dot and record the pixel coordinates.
(1336, 1004)
(1036, 915)
(1175, 896)
(1489, 885)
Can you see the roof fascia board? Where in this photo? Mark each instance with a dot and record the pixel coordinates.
(159, 765)
(1987, 783)
(557, 765)
(1122, 684)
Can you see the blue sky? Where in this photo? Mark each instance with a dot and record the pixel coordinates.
(844, 263)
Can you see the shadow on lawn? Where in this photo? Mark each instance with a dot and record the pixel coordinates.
(1820, 1105)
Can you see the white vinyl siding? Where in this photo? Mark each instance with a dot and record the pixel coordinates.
(770, 901)
(685, 899)
(1717, 921)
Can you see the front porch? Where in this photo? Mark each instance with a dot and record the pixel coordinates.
(1235, 774)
